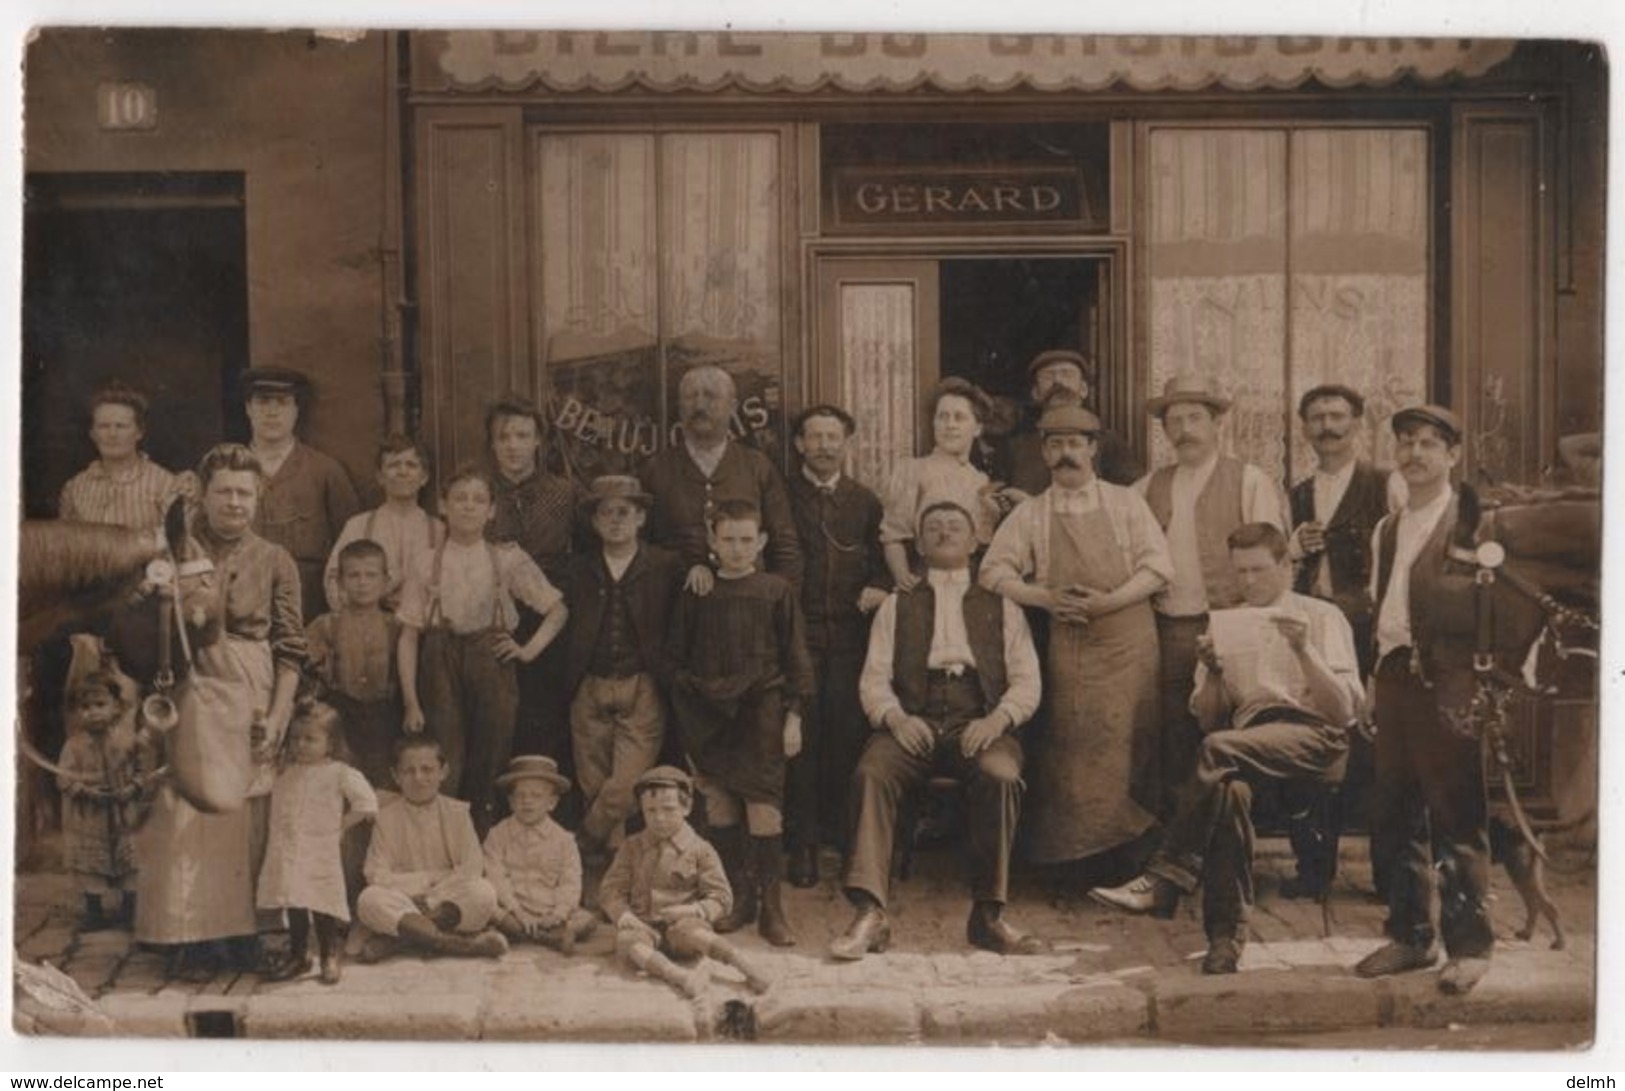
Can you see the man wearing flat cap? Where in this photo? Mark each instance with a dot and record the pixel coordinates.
(620, 597)
(308, 496)
(1431, 811)
(1198, 501)
(1090, 555)
(1058, 377)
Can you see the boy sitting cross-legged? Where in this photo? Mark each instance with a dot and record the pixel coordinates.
(532, 861)
(665, 888)
(425, 884)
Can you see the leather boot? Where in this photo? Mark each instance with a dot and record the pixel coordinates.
(769, 856)
(330, 946)
(422, 933)
(297, 962)
(730, 845)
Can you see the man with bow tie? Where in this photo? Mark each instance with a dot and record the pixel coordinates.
(950, 674)
(844, 580)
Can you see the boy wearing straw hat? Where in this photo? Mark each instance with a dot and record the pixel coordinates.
(532, 861)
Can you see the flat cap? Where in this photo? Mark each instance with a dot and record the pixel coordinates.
(1068, 420)
(663, 776)
(273, 380)
(1061, 356)
(1437, 415)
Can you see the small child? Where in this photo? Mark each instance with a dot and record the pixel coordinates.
(665, 888)
(620, 599)
(352, 651)
(958, 410)
(100, 782)
(741, 676)
(314, 801)
(457, 650)
(399, 524)
(424, 867)
(532, 861)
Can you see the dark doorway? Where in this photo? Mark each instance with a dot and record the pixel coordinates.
(136, 277)
(997, 314)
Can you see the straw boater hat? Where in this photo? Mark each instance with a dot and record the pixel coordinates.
(1187, 386)
(615, 487)
(533, 767)
(663, 776)
(1068, 420)
(1437, 415)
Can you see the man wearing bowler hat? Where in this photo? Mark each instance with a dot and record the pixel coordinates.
(1431, 811)
(308, 496)
(1059, 378)
(1198, 501)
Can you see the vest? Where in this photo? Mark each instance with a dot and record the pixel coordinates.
(1218, 512)
(1433, 577)
(1348, 537)
(911, 649)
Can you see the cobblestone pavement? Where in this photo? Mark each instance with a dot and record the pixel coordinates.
(1110, 978)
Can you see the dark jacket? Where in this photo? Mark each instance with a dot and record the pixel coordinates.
(650, 584)
(1348, 538)
(840, 542)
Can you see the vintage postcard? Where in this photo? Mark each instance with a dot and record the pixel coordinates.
(707, 536)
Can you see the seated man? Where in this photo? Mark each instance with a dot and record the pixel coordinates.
(951, 673)
(1281, 710)
(425, 871)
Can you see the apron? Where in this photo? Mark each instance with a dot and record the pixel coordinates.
(197, 870)
(1102, 691)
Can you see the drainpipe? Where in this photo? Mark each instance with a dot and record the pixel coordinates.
(393, 378)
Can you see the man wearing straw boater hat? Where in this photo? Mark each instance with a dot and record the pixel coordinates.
(620, 597)
(1198, 501)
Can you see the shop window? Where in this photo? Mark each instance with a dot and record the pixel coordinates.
(656, 253)
(1284, 258)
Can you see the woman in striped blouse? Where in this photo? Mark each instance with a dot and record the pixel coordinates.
(122, 486)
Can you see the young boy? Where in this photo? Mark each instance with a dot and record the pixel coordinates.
(741, 678)
(666, 887)
(99, 780)
(424, 882)
(399, 524)
(620, 600)
(532, 862)
(457, 650)
(352, 651)
(959, 409)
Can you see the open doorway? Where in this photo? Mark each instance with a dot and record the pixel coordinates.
(996, 314)
(136, 277)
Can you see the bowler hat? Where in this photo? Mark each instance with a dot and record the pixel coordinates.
(274, 380)
(1068, 420)
(1186, 386)
(1061, 356)
(1448, 424)
(614, 487)
(663, 776)
(533, 767)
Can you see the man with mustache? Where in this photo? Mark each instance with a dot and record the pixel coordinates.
(1333, 514)
(1198, 501)
(1059, 377)
(707, 468)
(1089, 555)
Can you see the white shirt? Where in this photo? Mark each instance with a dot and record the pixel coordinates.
(819, 483)
(1260, 503)
(1329, 491)
(950, 645)
(1251, 689)
(1416, 526)
(1020, 548)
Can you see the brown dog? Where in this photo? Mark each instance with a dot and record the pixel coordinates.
(1526, 869)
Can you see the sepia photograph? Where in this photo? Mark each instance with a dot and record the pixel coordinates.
(810, 538)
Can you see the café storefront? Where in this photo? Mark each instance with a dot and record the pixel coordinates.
(847, 217)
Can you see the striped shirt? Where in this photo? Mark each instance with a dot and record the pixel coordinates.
(132, 499)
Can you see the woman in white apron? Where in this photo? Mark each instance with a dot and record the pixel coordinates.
(201, 849)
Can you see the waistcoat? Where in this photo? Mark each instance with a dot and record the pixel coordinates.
(1218, 512)
(984, 626)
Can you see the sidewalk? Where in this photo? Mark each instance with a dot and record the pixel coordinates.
(1110, 979)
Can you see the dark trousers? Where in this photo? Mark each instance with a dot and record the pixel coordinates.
(1430, 778)
(886, 772)
(1181, 734)
(1209, 840)
(833, 734)
(470, 701)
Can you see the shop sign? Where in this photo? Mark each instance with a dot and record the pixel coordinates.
(883, 198)
(608, 61)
